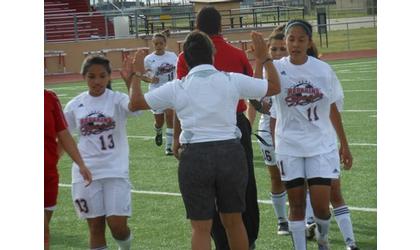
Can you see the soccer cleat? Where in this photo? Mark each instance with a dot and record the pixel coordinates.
(158, 139)
(310, 230)
(354, 247)
(168, 151)
(322, 243)
(283, 228)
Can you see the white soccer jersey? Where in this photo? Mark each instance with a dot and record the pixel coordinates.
(101, 125)
(205, 102)
(264, 123)
(161, 66)
(304, 127)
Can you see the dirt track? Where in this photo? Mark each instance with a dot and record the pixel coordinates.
(66, 78)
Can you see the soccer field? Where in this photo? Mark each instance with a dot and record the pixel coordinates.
(158, 219)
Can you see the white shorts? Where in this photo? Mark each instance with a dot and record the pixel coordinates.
(324, 166)
(108, 196)
(267, 147)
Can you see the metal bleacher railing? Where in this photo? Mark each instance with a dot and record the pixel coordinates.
(78, 26)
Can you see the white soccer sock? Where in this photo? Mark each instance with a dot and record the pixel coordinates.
(297, 229)
(279, 204)
(124, 244)
(323, 226)
(342, 216)
(100, 248)
(309, 213)
(169, 137)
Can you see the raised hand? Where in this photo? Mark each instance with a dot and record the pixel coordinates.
(138, 61)
(259, 47)
(127, 70)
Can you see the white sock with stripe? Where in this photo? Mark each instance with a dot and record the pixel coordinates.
(342, 216)
(279, 205)
(169, 137)
(297, 230)
(124, 244)
(309, 213)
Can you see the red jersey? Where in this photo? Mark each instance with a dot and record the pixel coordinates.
(54, 122)
(228, 58)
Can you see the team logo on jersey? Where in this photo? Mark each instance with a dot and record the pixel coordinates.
(165, 68)
(96, 123)
(302, 94)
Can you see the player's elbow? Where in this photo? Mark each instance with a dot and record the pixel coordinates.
(273, 88)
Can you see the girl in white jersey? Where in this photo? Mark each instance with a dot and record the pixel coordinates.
(99, 116)
(277, 49)
(212, 167)
(306, 147)
(160, 68)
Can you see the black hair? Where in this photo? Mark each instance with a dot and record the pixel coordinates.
(209, 21)
(277, 34)
(313, 51)
(198, 49)
(302, 23)
(93, 60)
(164, 34)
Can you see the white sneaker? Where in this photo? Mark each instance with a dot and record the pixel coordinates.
(310, 230)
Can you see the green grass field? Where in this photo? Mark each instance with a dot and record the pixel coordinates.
(158, 220)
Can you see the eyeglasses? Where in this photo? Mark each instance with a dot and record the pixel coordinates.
(274, 49)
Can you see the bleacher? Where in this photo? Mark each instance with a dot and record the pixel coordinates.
(60, 17)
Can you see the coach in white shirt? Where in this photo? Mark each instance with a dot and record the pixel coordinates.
(212, 165)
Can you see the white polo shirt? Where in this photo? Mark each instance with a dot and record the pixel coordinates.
(303, 127)
(205, 102)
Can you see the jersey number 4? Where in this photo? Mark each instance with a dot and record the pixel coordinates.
(104, 144)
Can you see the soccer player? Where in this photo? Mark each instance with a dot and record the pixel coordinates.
(56, 138)
(160, 67)
(212, 164)
(306, 148)
(277, 48)
(229, 59)
(99, 116)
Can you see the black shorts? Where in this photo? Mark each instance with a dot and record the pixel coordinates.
(212, 172)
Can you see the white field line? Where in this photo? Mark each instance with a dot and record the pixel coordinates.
(357, 79)
(363, 209)
(354, 71)
(149, 138)
(358, 110)
(353, 63)
(360, 90)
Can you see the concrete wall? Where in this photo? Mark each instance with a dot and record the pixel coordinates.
(74, 50)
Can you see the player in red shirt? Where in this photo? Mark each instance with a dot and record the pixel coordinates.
(55, 127)
(230, 59)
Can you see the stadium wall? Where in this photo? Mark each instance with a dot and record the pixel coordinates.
(75, 50)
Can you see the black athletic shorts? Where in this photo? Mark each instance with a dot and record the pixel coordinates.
(212, 172)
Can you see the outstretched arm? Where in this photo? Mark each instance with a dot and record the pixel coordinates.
(263, 59)
(137, 101)
(345, 154)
